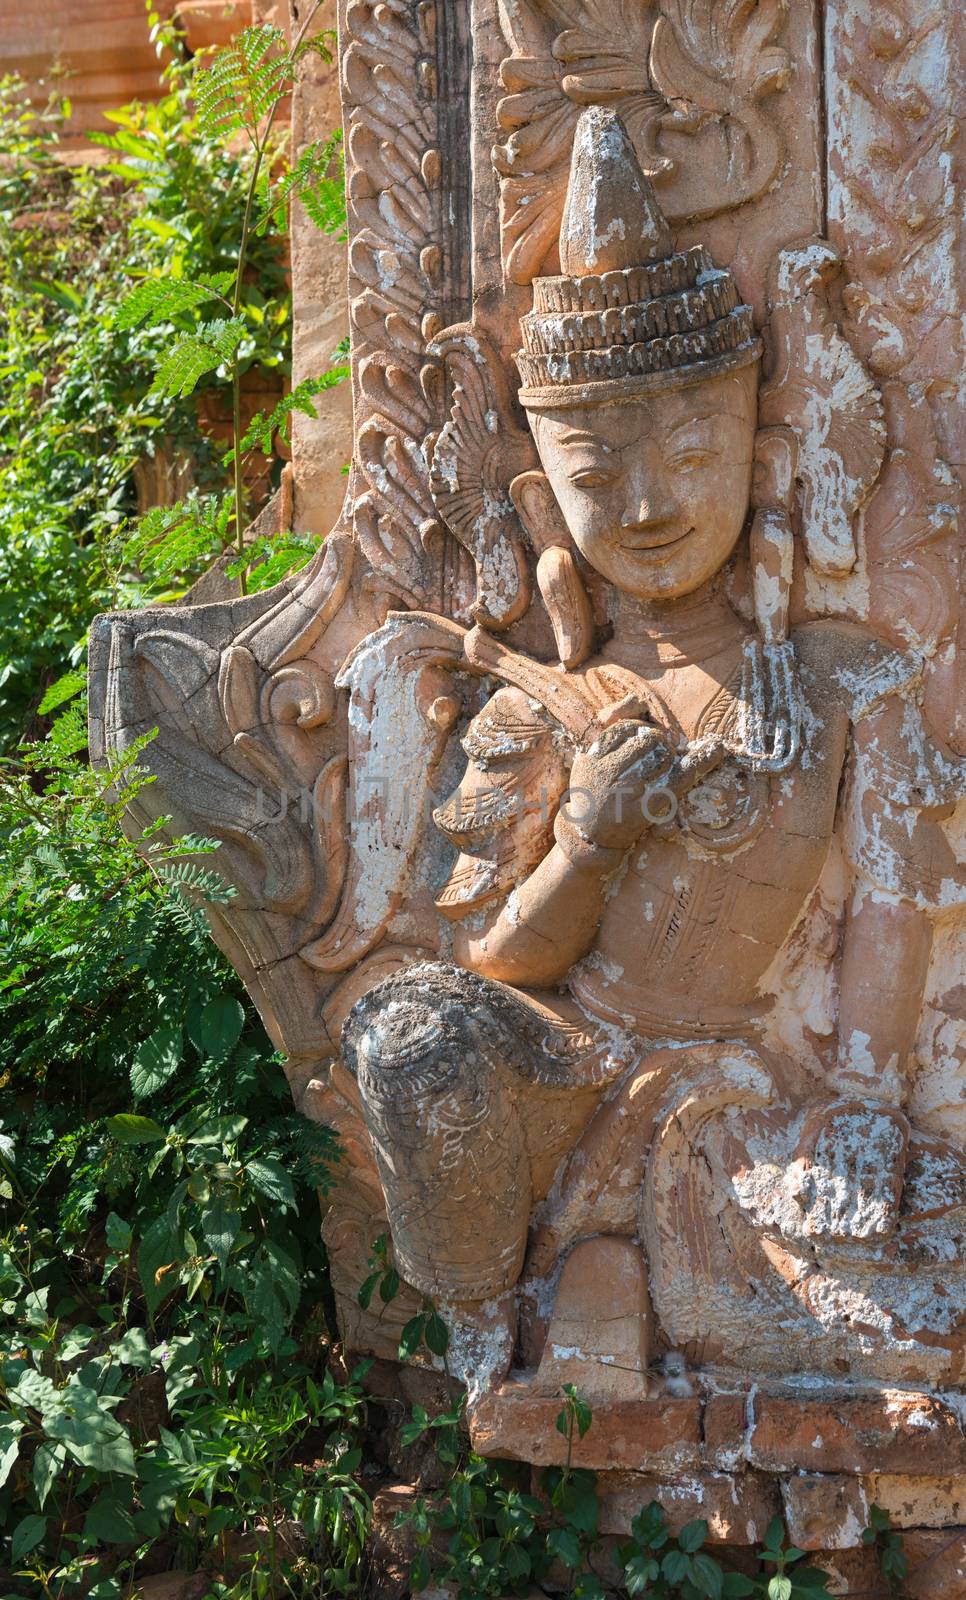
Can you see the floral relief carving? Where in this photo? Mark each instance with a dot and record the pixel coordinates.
(688, 78)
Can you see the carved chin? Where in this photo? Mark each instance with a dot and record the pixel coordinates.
(677, 566)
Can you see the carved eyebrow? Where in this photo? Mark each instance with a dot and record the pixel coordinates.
(691, 422)
(578, 436)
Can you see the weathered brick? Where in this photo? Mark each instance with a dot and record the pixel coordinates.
(516, 1424)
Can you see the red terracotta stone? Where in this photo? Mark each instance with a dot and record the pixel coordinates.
(825, 1511)
(737, 1507)
(891, 1432)
(514, 1424)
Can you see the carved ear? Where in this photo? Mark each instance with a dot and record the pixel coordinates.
(558, 579)
(539, 512)
(776, 461)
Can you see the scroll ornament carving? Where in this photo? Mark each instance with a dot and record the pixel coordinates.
(690, 80)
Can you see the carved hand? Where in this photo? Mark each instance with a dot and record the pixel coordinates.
(610, 786)
(848, 1174)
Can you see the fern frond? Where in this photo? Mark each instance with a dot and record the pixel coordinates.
(69, 732)
(215, 342)
(65, 688)
(186, 877)
(170, 541)
(318, 180)
(246, 78)
(162, 298)
(278, 556)
(262, 427)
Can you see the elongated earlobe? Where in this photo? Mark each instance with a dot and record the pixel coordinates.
(561, 587)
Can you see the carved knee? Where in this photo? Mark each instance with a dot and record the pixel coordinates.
(431, 1052)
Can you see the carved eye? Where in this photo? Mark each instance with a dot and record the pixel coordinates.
(592, 477)
(685, 460)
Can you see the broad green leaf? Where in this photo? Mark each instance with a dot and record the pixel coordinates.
(411, 1336)
(582, 1414)
(75, 1342)
(220, 1025)
(92, 1436)
(517, 1562)
(563, 1544)
(779, 1587)
(26, 1536)
(814, 1578)
(10, 1430)
(675, 1566)
(436, 1334)
(271, 1180)
(116, 1231)
(389, 1285)
(693, 1535)
(133, 1349)
(157, 1060)
(158, 1254)
(707, 1576)
(737, 1587)
(109, 1520)
(640, 1571)
(366, 1290)
(34, 1389)
(220, 1222)
(47, 1465)
(774, 1536)
(220, 1130)
(129, 1128)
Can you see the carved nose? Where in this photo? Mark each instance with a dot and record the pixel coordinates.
(650, 515)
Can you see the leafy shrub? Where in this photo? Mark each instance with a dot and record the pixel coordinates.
(160, 1273)
(185, 196)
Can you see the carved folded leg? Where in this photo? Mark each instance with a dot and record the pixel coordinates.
(449, 1145)
(471, 1092)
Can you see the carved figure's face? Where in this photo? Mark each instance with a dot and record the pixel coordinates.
(654, 489)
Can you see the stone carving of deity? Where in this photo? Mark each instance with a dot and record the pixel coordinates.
(590, 797)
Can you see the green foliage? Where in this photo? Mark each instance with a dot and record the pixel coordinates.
(889, 1548)
(318, 180)
(244, 82)
(78, 418)
(162, 1372)
(238, 93)
(484, 1535)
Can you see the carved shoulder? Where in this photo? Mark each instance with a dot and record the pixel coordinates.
(847, 668)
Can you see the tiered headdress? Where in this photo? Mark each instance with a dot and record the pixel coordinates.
(627, 314)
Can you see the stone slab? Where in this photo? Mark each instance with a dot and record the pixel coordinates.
(892, 1431)
(737, 1507)
(877, 1434)
(825, 1510)
(514, 1424)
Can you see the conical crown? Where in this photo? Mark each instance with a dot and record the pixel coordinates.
(611, 217)
(626, 314)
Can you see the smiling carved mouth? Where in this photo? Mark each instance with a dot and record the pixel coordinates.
(653, 541)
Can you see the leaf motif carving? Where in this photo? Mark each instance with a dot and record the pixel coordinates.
(478, 453)
(686, 67)
(395, 206)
